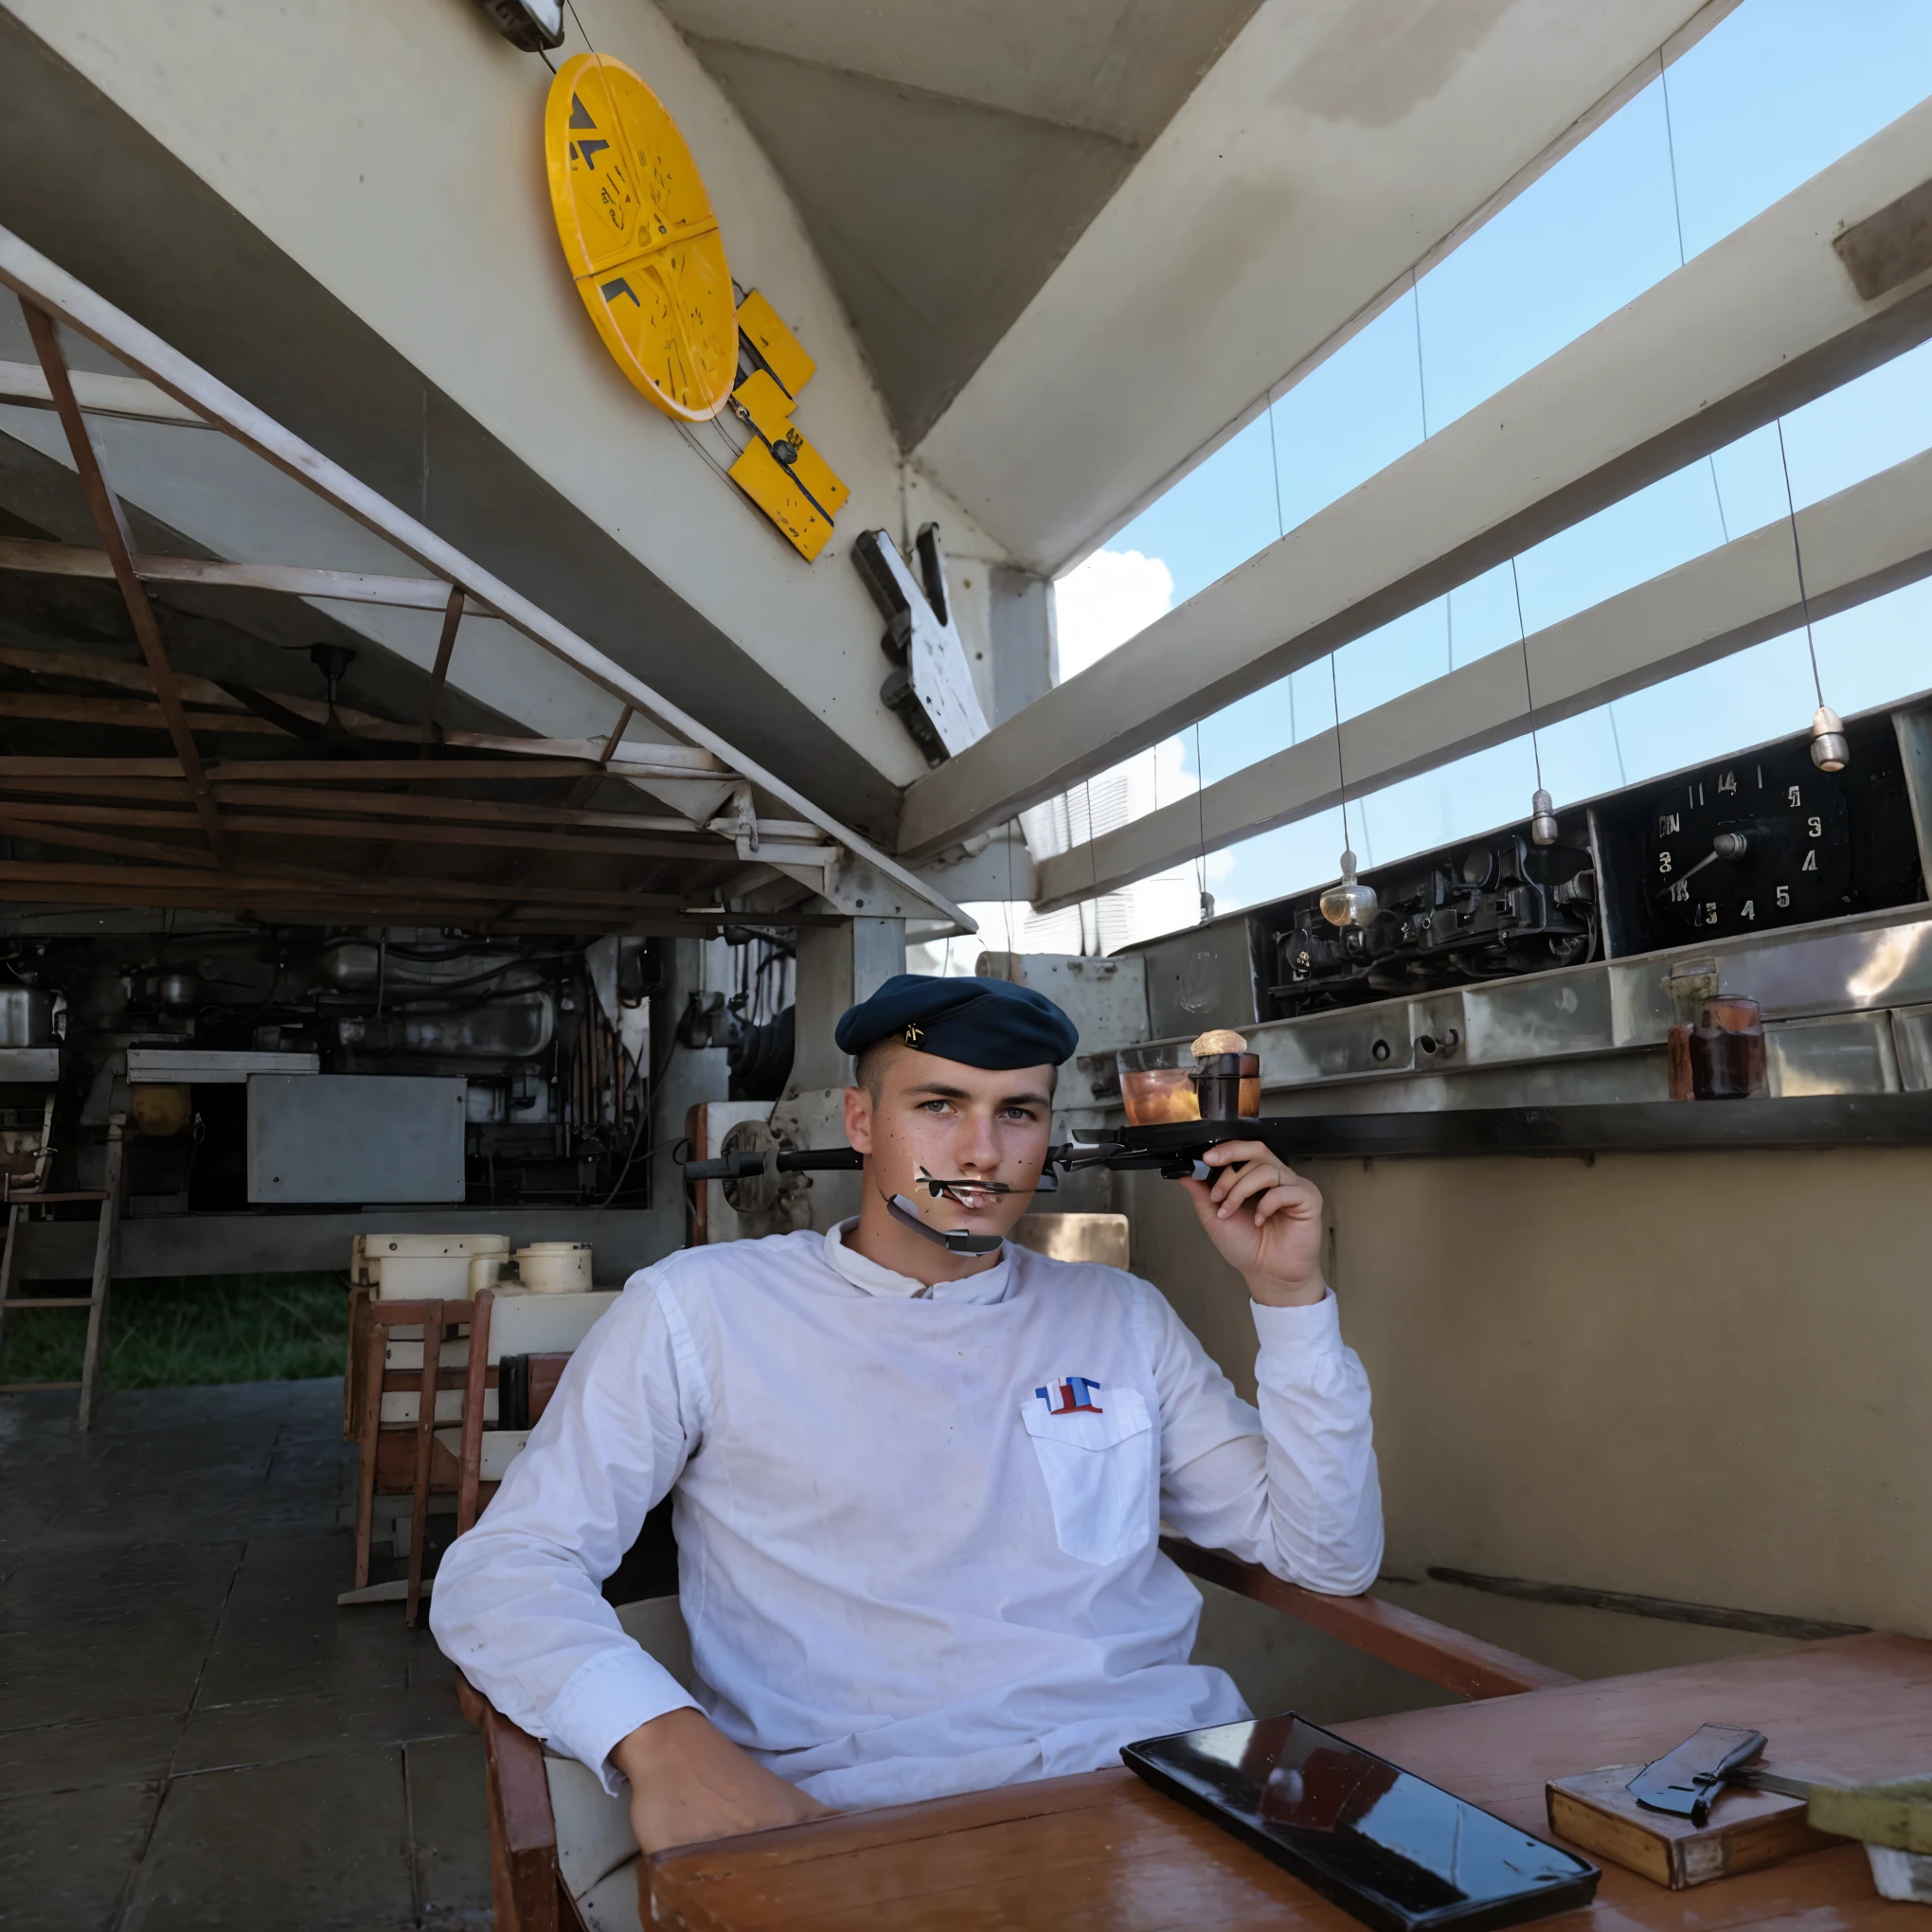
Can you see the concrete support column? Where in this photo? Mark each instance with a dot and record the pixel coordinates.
(690, 1075)
(838, 967)
(1020, 636)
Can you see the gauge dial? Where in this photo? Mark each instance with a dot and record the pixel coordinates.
(1760, 841)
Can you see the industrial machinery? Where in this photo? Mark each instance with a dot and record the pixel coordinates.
(1746, 846)
(210, 1036)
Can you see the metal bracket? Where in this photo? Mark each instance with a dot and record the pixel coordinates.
(739, 823)
(930, 686)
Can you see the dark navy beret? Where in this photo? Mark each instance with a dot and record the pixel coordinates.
(989, 1022)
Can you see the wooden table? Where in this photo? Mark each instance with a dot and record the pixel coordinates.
(1104, 1850)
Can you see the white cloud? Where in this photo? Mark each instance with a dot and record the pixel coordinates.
(1172, 779)
(1104, 601)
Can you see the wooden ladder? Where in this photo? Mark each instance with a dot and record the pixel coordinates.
(107, 1200)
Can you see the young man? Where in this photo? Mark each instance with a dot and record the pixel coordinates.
(917, 1491)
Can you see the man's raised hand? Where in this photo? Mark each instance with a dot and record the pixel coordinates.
(1264, 1220)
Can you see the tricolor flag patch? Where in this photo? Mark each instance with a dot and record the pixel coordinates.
(1072, 1395)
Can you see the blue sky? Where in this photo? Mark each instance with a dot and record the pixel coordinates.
(1778, 91)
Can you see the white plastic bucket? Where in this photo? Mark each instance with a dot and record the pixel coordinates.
(554, 1267)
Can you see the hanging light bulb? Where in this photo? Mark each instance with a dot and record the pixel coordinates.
(1347, 902)
(1541, 819)
(1830, 751)
(1542, 811)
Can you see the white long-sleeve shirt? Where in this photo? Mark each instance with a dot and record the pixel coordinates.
(917, 1528)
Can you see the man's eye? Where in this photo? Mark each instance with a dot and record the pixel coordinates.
(1021, 1114)
(934, 1107)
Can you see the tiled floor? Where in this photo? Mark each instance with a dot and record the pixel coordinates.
(191, 1734)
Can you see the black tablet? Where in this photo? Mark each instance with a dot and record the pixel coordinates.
(1396, 1852)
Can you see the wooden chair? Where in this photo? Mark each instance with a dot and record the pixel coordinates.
(406, 1458)
(516, 1348)
(561, 1856)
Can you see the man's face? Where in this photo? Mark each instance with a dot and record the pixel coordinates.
(937, 1117)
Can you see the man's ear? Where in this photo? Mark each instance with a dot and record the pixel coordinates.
(858, 1118)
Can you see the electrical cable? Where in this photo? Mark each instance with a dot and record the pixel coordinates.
(1529, 697)
(657, 1074)
(1093, 871)
(1201, 828)
(1677, 210)
(1006, 910)
(1280, 531)
(1798, 561)
(1341, 774)
(1422, 402)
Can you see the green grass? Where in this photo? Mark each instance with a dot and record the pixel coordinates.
(168, 1333)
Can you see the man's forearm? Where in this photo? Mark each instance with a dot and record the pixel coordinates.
(1324, 1495)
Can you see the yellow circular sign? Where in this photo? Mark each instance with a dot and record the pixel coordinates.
(640, 237)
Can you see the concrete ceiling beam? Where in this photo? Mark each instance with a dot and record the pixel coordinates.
(1764, 321)
(1336, 147)
(1858, 545)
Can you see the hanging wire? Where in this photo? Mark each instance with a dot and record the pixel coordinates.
(1275, 455)
(1281, 530)
(579, 19)
(1201, 828)
(1422, 400)
(1677, 210)
(1341, 774)
(1352, 900)
(1529, 697)
(1798, 561)
(1670, 148)
(1092, 872)
(1422, 387)
(1008, 908)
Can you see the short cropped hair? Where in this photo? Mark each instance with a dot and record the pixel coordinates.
(869, 1071)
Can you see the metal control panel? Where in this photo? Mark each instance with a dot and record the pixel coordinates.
(1751, 844)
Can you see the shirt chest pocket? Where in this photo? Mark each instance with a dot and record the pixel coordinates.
(1098, 1466)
